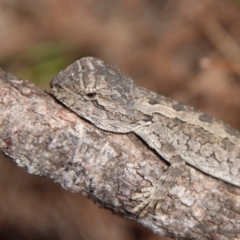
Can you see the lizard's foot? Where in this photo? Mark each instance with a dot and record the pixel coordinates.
(151, 200)
(154, 196)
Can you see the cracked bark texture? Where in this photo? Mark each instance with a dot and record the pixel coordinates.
(47, 139)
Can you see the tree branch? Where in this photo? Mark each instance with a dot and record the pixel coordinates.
(48, 140)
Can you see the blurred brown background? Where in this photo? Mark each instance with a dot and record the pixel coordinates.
(187, 50)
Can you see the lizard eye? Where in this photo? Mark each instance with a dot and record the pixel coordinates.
(91, 95)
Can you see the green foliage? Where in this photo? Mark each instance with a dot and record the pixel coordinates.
(39, 63)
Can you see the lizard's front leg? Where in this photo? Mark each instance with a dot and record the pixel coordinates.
(152, 197)
(155, 195)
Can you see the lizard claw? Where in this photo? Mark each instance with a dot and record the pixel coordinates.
(145, 192)
(149, 202)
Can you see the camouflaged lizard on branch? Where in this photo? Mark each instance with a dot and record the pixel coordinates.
(109, 99)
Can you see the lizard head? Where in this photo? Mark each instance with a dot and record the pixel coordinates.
(99, 93)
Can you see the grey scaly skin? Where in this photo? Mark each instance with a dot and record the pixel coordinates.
(111, 101)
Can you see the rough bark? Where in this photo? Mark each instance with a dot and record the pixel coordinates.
(47, 139)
